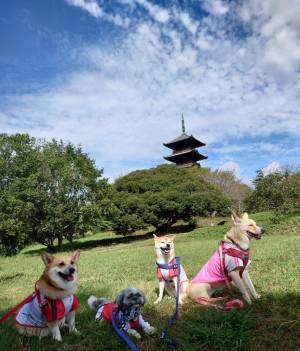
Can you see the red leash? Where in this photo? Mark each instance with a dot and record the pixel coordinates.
(16, 308)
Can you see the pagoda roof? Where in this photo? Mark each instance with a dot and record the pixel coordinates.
(184, 139)
(185, 156)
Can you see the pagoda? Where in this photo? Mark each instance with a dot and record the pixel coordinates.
(184, 149)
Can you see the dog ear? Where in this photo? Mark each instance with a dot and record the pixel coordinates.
(47, 258)
(120, 299)
(143, 297)
(245, 216)
(234, 217)
(75, 255)
(155, 237)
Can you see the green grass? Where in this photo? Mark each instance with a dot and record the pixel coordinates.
(272, 323)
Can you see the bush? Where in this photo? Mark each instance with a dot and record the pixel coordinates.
(161, 196)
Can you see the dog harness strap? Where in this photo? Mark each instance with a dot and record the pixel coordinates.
(234, 252)
(16, 308)
(172, 269)
(40, 309)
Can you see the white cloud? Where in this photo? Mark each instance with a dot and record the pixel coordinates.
(94, 9)
(276, 27)
(215, 7)
(159, 14)
(273, 167)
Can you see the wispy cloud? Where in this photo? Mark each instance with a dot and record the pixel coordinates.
(95, 10)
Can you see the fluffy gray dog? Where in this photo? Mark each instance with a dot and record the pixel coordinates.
(126, 310)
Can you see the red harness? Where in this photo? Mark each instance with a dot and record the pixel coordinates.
(52, 309)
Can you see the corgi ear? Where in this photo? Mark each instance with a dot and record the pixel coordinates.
(245, 216)
(75, 255)
(234, 217)
(47, 258)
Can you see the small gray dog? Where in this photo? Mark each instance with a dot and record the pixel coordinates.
(126, 309)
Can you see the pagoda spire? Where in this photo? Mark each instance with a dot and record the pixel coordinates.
(182, 123)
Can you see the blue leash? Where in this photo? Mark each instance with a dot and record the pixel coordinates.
(121, 333)
(164, 336)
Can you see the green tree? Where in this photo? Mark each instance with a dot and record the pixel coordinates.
(276, 191)
(18, 166)
(161, 196)
(50, 191)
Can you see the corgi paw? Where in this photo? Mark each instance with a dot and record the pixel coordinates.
(150, 330)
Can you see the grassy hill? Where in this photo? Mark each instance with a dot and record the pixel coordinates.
(273, 323)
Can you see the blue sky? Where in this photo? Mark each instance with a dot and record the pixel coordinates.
(115, 76)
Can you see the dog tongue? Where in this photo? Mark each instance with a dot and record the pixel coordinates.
(69, 277)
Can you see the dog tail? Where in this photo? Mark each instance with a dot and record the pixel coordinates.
(95, 303)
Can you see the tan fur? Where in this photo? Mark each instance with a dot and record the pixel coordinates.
(55, 288)
(165, 258)
(237, 234)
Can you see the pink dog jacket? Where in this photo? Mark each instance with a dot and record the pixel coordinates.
(212, 271)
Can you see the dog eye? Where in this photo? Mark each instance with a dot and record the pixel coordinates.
(61, 264)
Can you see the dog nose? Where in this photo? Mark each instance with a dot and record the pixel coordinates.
(71, 270)
(168, 245)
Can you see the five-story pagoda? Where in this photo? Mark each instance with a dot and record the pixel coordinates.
(184, 149)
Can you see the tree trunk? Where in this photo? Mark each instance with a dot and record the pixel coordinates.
(60, 243)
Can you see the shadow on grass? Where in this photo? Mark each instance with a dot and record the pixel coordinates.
(270, 324)
(89, 244)
(7, 278)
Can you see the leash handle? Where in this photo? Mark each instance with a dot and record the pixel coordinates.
(121, 333)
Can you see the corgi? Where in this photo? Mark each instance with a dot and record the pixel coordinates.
(167, 277)
(54, 300)
(229, 264)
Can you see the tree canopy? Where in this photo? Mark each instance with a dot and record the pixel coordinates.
(276, 191)
(49, 190)
(161, 196)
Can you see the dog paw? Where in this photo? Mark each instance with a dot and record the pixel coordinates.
(257, 296)
(57, 338)
(156, 301)
(134, 333)
(150, 330)
(74, 331)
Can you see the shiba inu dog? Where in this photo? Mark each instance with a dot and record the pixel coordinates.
(126, 310)
(167, 273)
(229, 263)
(54, 300)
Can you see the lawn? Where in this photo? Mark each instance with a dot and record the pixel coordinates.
(106, 266)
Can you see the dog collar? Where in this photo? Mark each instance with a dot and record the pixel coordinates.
(237, 245)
